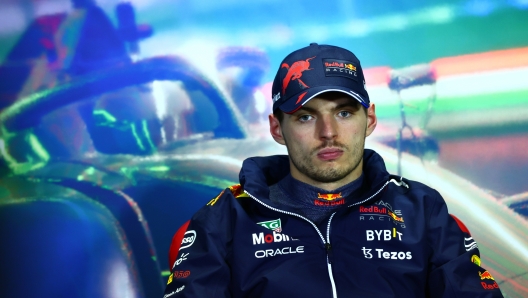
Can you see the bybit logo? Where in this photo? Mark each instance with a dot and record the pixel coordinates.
(383, 235)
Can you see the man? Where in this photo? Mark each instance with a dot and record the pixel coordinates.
(295, 226)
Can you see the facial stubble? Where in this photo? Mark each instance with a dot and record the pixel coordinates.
(332, 173)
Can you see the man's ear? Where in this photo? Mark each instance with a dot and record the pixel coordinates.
(275, 129)
(372, 120)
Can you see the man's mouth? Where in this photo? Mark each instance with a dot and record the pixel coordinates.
(329, 153)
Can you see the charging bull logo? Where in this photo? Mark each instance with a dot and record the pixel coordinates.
(295, 73)
(329, 196)
(350, 66)
(395, 217)
(487, 281)
(486, 275)
(329, 199)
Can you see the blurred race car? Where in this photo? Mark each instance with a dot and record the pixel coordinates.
(98, 140)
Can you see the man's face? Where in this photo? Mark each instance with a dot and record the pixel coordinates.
(325, 139)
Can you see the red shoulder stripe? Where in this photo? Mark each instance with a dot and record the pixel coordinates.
(176, 243)
(461, 225)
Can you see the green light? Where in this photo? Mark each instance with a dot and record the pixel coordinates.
(165, 273)
(107, 116)
(90, 171)
(38, 148)
(207, 180)
(138, 140)
(216, 182)
(147, 134)
(129, 173)
(10, 160)
(159, 169)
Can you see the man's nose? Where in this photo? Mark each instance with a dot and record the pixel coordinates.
(327, 128)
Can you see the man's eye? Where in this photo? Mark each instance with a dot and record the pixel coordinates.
(345, 114)
(304, 118)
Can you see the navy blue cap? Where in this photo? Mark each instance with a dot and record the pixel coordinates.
(316, 69)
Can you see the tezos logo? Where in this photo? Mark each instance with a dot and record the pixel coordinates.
(188, 239)
(388, 255)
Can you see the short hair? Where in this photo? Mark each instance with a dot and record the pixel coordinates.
(279, 114)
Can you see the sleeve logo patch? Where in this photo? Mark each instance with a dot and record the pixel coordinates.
(188, 239)
(475, 259)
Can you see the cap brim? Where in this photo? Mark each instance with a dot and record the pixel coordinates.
(297, 101)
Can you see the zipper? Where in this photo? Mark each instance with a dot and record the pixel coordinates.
(326, 243)
(329, 256)
(367, 199)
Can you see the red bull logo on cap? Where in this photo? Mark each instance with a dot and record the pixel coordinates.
(343, 68)
(334, 64)
(350, 66)
(295, 72)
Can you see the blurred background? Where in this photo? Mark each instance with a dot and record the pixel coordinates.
(119, 119)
